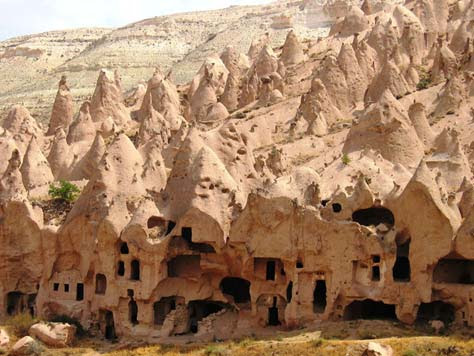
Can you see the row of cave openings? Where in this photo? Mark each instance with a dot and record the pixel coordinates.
(376, 310)
(366, 309)
(237, 288)
(452, 269)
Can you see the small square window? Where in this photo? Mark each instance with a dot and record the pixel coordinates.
(66, 288)
(56, 287)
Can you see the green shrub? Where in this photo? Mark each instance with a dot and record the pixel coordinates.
(345, 160)
(66, 191)
(21, 323)
(410, 353)
(425, 81)
(72, 321)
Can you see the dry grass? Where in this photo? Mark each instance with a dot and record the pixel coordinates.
(18, 325)
(415, 346)
(410, 346)
(328, 342)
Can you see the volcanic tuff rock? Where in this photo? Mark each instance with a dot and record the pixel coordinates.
(316, 179)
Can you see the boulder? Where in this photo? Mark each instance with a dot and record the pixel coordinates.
(26, 346)
(374, 349)
(4, 338)
(54, 334)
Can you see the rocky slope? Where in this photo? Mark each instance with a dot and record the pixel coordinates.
(30, 65)
(320, 179)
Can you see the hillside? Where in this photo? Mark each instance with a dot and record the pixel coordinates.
(30, 66)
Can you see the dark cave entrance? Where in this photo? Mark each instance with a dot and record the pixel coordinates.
(273, 319)
(454, 271)
(436, 311)
(124, 248)
(121, 268)
(238, 288)
(18, 303)
(133, 312)
(401, 269)
(187, 234)
(270, 271)
(374, 216)
(107, 324)
(200, 309)
(369, 309)
(135, 270)
(162, 308)
(319, 297)
(79, 291)
(289, 292)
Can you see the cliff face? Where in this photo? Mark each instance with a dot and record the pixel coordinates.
(319, 179)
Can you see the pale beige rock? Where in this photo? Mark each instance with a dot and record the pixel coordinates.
(87, 166)
(230, 97)
(82, 128)
(135, 98)
(26, 346)
(7, 146)
(11, 185)
(266, 62)
(354, 22)
(355, 78)
(162, 95)
(22, 126)
(62, 114)
(417, 115)
(107, 100)
(334, 79)
(235, 62)
(445, 63)
(257, 45)
(153, 125)
(204, 97)
(451, 96)
(385, 126)
(54, 334)
(60, 156)
(35, 168)
(179, 223)
(216, 114)
(375, 349)
(390, 78)
(4, 338)
(292, 52)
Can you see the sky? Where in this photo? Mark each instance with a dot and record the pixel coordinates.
(22, 17)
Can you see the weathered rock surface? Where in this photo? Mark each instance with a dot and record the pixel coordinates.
(54, 334)
(4, 338)
(319, 179)
(374, 349)
(26, 346)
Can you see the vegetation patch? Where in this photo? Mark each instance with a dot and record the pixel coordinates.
(66, 191)
(20, 324)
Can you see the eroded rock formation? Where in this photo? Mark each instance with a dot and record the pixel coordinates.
(326, 179)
